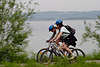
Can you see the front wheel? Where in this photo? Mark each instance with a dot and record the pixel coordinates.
(40, 53)
(46, 57)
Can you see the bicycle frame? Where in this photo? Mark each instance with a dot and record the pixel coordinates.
(55, 49)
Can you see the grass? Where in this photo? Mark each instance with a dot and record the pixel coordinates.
(94, 56)
(59, 62)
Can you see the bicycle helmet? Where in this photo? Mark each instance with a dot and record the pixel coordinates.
(59, 21)
(51, 27)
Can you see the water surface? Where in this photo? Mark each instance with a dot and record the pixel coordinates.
(40, 34)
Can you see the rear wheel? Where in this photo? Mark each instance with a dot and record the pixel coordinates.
(78, 53)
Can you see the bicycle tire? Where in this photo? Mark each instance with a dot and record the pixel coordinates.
(39, 53)
(46, 59)
(71, 48)
(79, 52)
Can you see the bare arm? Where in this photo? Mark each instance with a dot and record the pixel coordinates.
(59, 35)
(54, 33)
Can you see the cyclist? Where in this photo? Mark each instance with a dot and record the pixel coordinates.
(63, 35)
(53, 28)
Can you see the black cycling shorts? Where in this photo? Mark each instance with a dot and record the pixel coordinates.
(70, 40)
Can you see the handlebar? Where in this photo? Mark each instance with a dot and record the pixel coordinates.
(52, 45)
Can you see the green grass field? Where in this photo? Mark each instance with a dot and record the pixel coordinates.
(59, 62)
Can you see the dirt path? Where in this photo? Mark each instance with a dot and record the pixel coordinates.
(96, 61)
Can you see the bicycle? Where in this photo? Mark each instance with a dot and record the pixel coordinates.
(53, 49)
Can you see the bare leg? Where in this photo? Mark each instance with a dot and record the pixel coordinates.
(57, 42)
(64, 46)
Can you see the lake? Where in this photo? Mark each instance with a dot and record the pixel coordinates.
(40, 34)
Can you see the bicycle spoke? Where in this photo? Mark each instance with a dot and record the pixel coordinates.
(78, 53)
(40, 52)
(46, 57)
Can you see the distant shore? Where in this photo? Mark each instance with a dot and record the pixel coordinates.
(70, 15)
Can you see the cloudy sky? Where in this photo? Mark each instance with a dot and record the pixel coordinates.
(68, 5)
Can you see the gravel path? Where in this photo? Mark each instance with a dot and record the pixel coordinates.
(96, 61)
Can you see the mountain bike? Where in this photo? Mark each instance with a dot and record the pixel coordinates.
(40, 52)
(54, 50)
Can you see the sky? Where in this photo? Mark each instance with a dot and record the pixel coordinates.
(68, 5)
